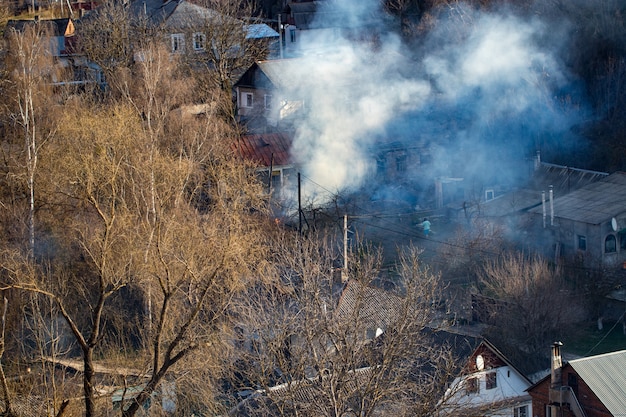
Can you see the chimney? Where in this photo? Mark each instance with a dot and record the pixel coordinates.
(543, 207)
(551, 206)
(538, 161)
(556, 365)
(438, 193)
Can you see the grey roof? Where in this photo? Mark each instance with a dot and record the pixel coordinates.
(260, 31)
(284, 74)
(157, 11)
(605, 375)
(376, 308)
(593, 203)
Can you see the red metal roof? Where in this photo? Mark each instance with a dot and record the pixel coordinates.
(265, 149)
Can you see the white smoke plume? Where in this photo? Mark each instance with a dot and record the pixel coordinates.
(478, 98)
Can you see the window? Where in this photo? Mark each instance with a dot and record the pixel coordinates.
(492, 382)
(247, 100)
(292, 34)
(489, 195)
(381, 166)
(582, 242)
(199, 41)
(178, 42)
(520, 411)
(471, 386)
(610, 244)
(268, 101)
(401, 163)
(552, 411)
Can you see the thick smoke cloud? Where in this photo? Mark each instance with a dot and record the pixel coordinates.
(482, 96)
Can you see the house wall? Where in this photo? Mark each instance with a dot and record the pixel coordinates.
(509, 392)
(587, 399)
(561, 237)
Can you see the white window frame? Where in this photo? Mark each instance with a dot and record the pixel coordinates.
(247, 100)
(268, 101)
(178, 42)
(521, 411)
(199, 41)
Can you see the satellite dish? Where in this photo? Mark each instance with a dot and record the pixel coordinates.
(614, 224)
(480, 362)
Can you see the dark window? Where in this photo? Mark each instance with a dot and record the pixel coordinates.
(381, 167)
(199, 41)
(247, 99)
(622, 241)
(471, 386)
(610, 244)
(582, 242)
(401, 163)
(492, 382)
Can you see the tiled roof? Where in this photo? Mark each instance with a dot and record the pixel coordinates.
(605, 375)
(376, 308)
(593, 203)
(267, 149)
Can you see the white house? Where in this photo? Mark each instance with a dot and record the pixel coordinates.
(491, 386)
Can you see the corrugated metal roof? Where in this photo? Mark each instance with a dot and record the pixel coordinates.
(594, 203)
(265, 149)
(606, 376)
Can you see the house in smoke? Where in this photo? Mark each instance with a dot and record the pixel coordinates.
(594, 386)
(309, 26)
(588, 223)
(267, 95)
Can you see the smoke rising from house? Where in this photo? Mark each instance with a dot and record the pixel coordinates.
(480, 94)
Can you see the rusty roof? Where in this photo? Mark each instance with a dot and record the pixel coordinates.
(265, 149)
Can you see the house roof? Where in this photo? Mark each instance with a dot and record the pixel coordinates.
(281, 72)
(260, 31)
(157, 11)
(593, 203)
(267, 149)
(377, 308)
(59, 27)
(605, 375)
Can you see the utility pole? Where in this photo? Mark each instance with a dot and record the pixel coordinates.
(280, 33)
(299, 206)
(344, 272)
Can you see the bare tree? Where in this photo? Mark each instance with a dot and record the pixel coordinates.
(310, 346)
(532, 302)
(30, 66)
